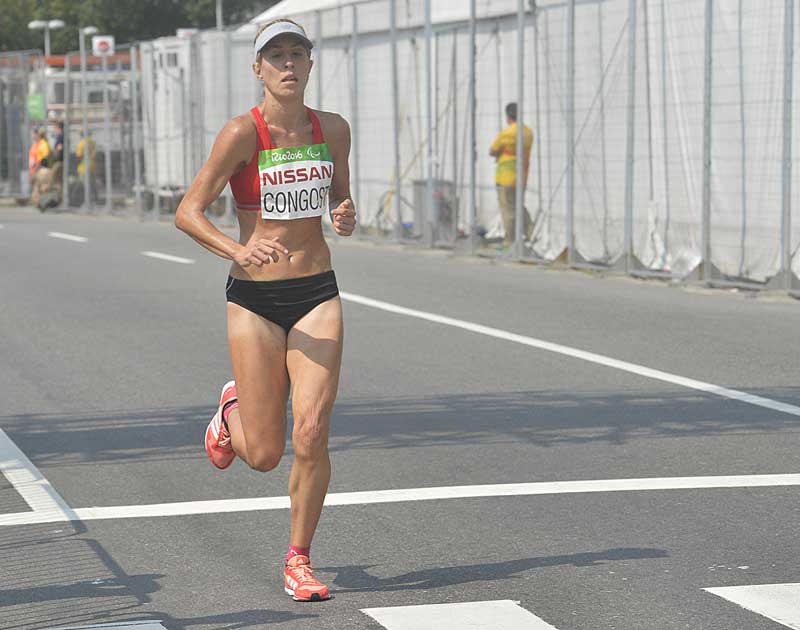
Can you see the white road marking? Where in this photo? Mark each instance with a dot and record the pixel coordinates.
(177, 259)
(31, 484)
(122, 625)
(68, 237)
(779, 602)
(578, 354)
(494, 615)
(219, 506)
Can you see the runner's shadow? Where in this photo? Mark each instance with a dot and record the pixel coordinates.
(354, 578)
(234, 620)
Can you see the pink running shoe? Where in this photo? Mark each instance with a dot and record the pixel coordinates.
(218, 440)
(300, 583)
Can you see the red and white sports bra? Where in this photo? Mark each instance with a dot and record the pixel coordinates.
(285, 183)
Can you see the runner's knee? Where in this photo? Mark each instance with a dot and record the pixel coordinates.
(264, 459)
(310, 434)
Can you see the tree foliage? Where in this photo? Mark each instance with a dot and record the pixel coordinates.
(126, 20)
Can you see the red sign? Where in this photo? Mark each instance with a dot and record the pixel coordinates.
(103, 45)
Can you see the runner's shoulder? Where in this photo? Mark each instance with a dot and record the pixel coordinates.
(239, 136)
(334, 127)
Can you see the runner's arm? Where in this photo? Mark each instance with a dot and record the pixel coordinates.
(233, 147)
(341, 207)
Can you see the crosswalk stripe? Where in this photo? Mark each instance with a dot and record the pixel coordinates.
(779, 602)
(493, 615)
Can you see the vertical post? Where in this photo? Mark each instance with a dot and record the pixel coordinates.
(137, 164)
(664, 130)
(648, 93)
(538, 128)
(66, 121)
(396, 199)
(106, 133)
(601, 60)
(743, 134)
(229, 213)
(87, 193)
(786, 193)
(123, 152)
(220, 21)
(570, 192)
(318, 55)
(354, 102)
(519, 193)
(473, 153)
(428, 220)
(455, 201)
(705, 261)
(631, 135)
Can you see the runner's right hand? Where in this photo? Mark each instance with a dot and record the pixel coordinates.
(260, 252)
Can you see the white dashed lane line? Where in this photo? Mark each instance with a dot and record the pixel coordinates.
(176, 259)
(68, 237)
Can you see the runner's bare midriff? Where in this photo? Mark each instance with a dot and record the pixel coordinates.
(308, 251)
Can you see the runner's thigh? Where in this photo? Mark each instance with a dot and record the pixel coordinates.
(258, 357)
(313, 358)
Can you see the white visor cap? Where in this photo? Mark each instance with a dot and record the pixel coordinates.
(281, 28)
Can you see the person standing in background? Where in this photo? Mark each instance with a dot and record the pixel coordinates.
(504, 150)
(91, 155)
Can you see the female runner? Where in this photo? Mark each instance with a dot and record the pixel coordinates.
(287, 166)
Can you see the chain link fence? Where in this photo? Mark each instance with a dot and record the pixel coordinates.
(663, 131)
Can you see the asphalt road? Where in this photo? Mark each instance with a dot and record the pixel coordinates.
(111, 364)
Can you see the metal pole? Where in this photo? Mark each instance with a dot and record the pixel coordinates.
(318, 57)
(46, 41)
(428, 225)
(87, 193)
(705, 261)
(788, 85)
(648, 94)
(354, 100)
(220, 21)
(570, 192)
(473, 152)
(396, 199)
(743, 134)
(519, 193)
(631, 135)
(106, 133)
(601, 60)
(137, 165)
(124, 178)
(664, 130)
(65, 142)
(454, 215)
(538, 129)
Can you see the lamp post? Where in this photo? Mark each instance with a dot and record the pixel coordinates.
(82, 32)
(46, 26)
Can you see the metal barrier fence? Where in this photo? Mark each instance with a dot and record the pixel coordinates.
(20, 72)
(663, 132)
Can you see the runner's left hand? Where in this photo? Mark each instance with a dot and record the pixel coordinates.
(344, 218)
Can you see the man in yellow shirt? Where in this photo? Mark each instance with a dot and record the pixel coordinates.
(504, 150)
(91, 158)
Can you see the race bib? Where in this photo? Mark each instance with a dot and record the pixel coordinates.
(295, 181)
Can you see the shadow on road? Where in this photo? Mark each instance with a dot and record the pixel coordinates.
(355, 578)
(539, 418)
